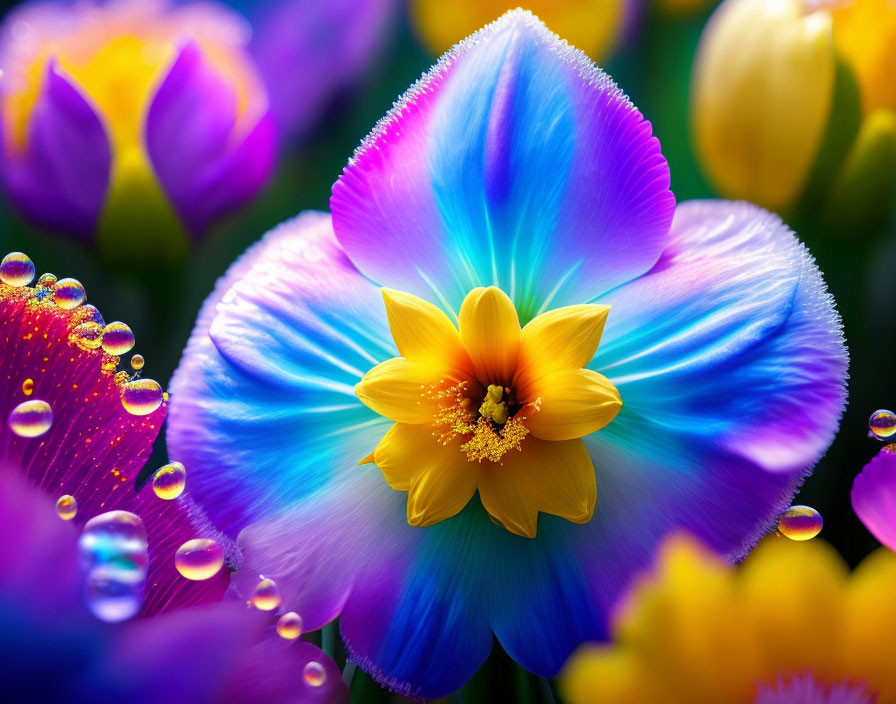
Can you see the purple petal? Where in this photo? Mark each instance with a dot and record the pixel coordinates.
(514, 162)
(94, 449)
(59, 179)
(874, 496)
(308, 51)
(208, 158)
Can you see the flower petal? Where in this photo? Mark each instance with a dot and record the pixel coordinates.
(289, 339)
(490, 329)
(552, 477)
(392, 389)
(874, 496)
(572, 404)
(59, 178)
(423, 333)
(563, 338)
(205, 165)
(731, 340)
(514, 163)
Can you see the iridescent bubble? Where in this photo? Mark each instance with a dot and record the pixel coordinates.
(69, 293)
(66, 507)
(137, 362)
(90, 313)
(87, 336)
(800, 523)
(47, 280)
(199, 559)
(114, 557)
(314, 674)
(31, 419)
(289, 625)
(882, 424)
(118, 338)
(141, 397)
(28, 387)
(266, 595)
(169, 481)
(16, 269)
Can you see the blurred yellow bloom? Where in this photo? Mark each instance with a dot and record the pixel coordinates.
(790, 625)
(590, 25)
(762, 91)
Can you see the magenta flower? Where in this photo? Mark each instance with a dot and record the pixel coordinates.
(874, 496)
(54, 650)
(131, 112)
(472, 402)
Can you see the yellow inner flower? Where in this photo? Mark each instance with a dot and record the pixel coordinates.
(489, 406)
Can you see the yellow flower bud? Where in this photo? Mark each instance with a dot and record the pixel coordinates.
(762, 93)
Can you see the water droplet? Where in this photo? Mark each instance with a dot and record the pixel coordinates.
(118, 338)
(114, 557)
(16, 269)
(199, 559)
(314, 674)
(800, 523)
(87, 336)
(266, 595)
(289, 626)
(66, 507)
(137, 362)
(882, 424)
(31, 419)
(141, 397)
(47, 280)
(28, 387)
(90, 313)
(69, 293)
(169, 481)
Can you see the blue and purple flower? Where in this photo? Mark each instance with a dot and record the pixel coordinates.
(567, 367)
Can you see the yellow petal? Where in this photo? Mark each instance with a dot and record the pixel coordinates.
(865, 35)
(565, 338)
(572, 404)
(423, 333)
(553, 477)
(601, 674)
(393, 389)
(762, 92)
(439, 478)
(490, 330)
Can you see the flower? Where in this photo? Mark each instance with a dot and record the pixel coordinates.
(777, 115)
(94, 448)
(789, 626)
(54, 650)
(513, 181)
(874, 496)
(131, 116)
(310, 52)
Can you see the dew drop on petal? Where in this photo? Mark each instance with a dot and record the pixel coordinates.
(314, 674)
(28, 387)
(118, 338)
(114, 557)
(169, 481)
(266, 595)
(882, 424)
(16, 269)
(66, 507)
(289, 625)
(141, 397)
(199, 559)
(87, 336)
(31, 419)
(69, 293)
(800, 523)
(137, 362)
(91, 314)
(47, 280)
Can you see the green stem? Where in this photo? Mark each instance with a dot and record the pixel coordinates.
(548, 692)
(328, 639)
(348, 674)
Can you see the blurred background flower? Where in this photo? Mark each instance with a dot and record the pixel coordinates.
(131, 122)
(788, 626)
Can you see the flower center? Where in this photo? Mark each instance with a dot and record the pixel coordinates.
(806, 689)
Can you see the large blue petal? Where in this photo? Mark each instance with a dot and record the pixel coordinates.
(514, 162)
